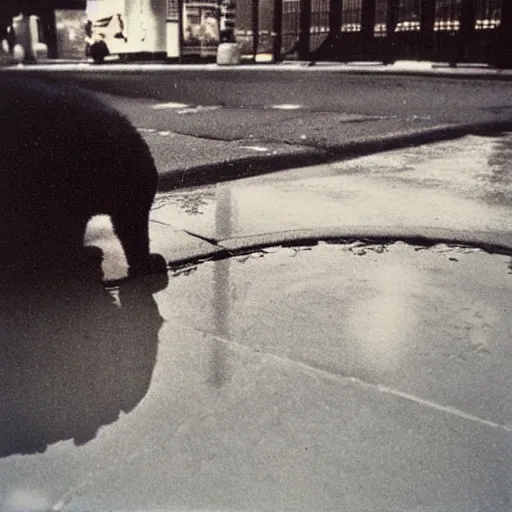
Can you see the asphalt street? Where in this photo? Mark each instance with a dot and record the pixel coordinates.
(213, 123)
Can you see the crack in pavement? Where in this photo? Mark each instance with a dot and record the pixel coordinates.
(209, 240)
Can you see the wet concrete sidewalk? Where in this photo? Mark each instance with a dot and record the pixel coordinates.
(358, 374)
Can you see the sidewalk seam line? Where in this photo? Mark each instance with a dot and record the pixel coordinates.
(340, 377)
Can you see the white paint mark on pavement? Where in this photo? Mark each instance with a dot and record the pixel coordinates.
(169, 105)
(199, 108)
(163, 133)
(287, 106)
(255, 148)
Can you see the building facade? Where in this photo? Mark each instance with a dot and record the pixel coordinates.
(340, 30)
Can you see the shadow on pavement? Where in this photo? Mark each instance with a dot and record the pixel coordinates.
(73, 354)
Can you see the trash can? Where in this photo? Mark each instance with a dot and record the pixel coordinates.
(228, 54)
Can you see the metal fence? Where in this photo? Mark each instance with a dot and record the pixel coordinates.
(453, 31)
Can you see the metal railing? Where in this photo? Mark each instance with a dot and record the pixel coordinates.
(452, 31)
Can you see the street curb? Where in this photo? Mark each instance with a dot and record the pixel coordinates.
(489, 241)
(246, 167)
(499, 242)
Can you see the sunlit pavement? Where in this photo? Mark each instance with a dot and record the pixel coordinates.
(368, 372)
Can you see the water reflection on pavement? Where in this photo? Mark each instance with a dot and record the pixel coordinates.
(74, 355)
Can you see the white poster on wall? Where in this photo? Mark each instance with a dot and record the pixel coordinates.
(108, 23)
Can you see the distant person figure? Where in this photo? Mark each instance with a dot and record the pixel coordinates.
(95, 45)
(99, 49)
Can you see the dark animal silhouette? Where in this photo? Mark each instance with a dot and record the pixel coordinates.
(65, 156)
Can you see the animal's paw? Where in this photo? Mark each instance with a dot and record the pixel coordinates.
(86, 263)
(155, 264)
(91, 257)
(151, 278)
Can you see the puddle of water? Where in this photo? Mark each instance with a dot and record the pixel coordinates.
(431, 323)
(283, 375)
